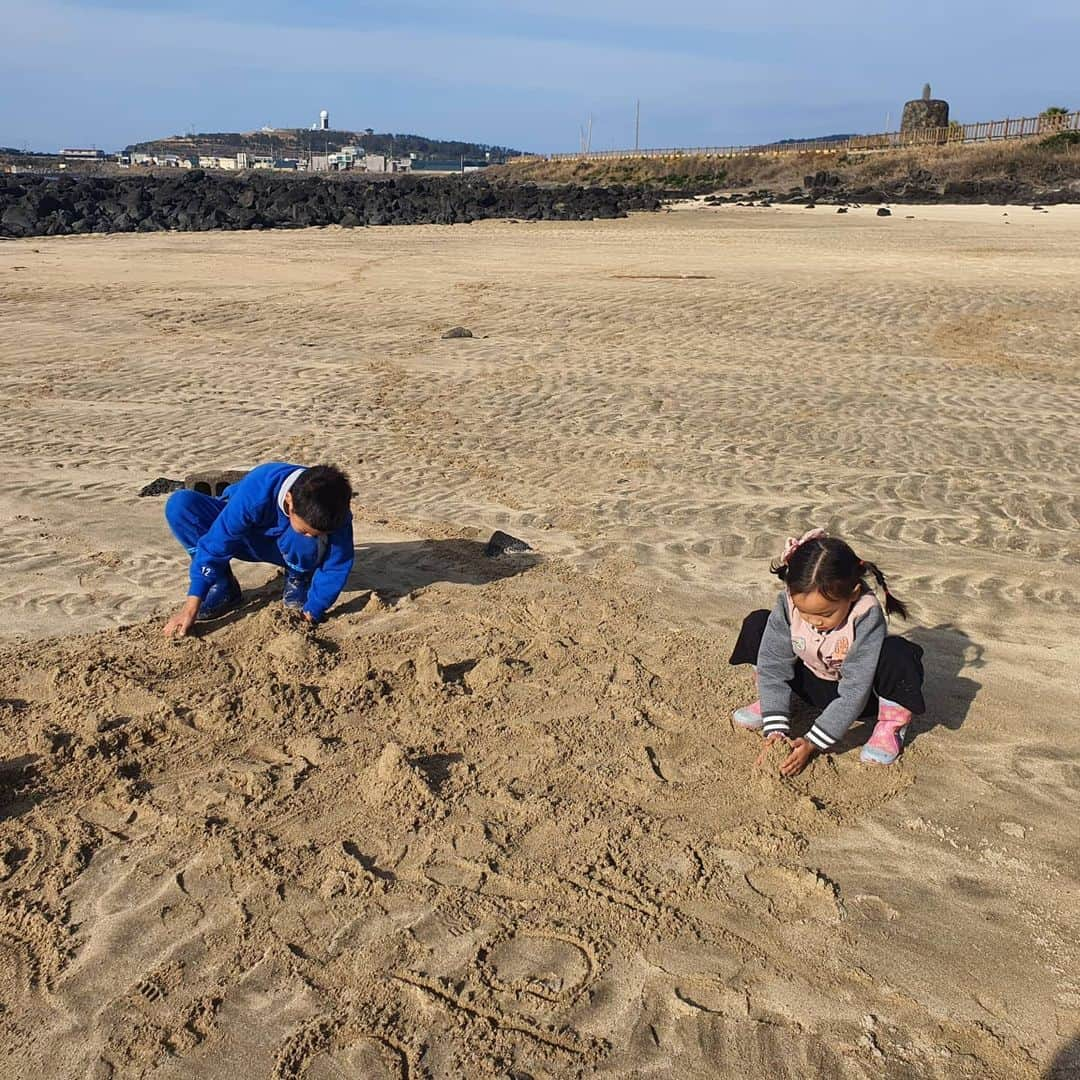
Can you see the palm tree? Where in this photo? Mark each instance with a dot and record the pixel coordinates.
(1053, 118)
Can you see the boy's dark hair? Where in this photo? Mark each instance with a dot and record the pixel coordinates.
(321, 497)
(829, 565)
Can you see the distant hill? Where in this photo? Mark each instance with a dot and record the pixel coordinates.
(292, 142)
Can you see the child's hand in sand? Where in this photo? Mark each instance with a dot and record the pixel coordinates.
(184, 619)
(802, 750)
(762, 758)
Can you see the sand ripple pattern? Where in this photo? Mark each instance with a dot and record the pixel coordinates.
(677, 390)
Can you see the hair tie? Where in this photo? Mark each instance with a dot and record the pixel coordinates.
(793, 545)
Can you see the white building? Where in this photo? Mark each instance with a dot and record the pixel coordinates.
(348, 157)
(381, 163)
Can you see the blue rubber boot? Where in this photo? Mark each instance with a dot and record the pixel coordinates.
(296, 590)
(223, 596)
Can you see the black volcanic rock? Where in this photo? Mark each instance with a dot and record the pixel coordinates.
(161, 485)
(200, 201)
(919, 186)
(502, 543)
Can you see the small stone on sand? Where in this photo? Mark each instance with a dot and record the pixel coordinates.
(504, 544)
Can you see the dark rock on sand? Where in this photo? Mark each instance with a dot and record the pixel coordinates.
(504, 544)
(161, 486)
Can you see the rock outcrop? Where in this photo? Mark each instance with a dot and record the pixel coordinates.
(201, 201)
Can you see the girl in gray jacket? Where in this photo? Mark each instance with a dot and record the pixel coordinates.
(826, 641)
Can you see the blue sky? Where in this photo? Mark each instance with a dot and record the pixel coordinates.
(523, 73)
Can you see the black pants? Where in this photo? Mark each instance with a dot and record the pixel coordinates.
(899, 675)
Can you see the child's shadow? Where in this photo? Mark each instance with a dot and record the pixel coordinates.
(947, 651)
(1066, 1061)
(17, 792)
(397, 568)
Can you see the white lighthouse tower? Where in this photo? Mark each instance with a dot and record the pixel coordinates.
(324, 121)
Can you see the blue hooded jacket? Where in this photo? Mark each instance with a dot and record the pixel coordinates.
(254, 527)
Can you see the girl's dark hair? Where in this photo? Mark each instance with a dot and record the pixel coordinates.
(321, 497)
(829, 565)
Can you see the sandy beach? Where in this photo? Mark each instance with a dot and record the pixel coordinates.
(492, 818)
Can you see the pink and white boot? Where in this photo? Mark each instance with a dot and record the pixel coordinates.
(887, 741)
(749, 717)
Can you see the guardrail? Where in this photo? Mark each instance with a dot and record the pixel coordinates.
(990, 131)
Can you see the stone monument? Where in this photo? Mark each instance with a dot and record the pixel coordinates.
(925, 112)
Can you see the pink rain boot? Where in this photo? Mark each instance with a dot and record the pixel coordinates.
(884, 745)
(749, 717)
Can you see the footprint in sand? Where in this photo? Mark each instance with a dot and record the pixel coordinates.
(797, 893)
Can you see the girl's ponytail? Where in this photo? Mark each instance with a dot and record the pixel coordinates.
(893, 606)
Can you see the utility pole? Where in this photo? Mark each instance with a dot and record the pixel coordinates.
(637, 126)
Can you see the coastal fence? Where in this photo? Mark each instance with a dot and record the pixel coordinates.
(989, 131)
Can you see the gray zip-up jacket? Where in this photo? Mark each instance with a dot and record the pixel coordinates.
(776, 665)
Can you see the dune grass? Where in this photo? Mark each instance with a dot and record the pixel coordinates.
(1048, 161)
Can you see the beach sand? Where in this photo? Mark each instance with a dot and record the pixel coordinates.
(492, 819)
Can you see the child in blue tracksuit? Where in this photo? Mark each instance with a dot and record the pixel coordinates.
(287, 515)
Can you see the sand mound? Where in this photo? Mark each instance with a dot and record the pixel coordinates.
(514, 833)
(394, 783)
